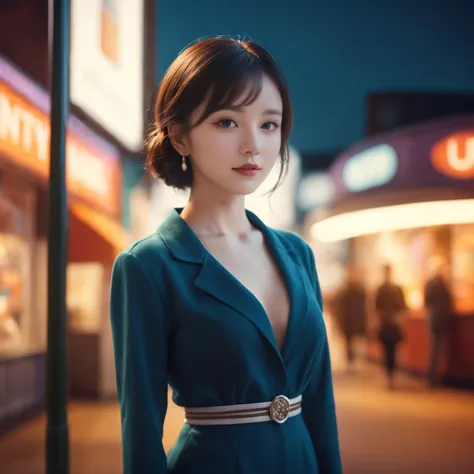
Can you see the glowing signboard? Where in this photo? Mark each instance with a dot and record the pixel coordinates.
(454, 155)
(107, 55)
(93, 171)
(370, 168)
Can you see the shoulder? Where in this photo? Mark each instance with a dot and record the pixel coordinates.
(148, 247)
(295, 243)
(290, 241)
(303, 252)
(296, 246)
(139, 286)
(145, 256)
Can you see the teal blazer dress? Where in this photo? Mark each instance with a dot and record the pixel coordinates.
(179, 318)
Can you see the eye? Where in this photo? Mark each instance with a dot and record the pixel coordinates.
(270, 126)
(226, 123)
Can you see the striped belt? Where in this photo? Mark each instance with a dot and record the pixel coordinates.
(278, 410)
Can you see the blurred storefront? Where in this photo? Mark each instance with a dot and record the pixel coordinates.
(315, 191)
(94, 181)
(406, 198)
(112, 70)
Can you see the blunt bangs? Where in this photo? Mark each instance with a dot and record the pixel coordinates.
(234, 87)
(231, 78)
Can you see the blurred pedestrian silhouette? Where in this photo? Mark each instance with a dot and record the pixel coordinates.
(439, 305)
(350, 309)
(390, 305)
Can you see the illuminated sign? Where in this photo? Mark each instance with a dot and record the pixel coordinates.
(93, 173)
(315, 189)
(454, 155)
(107, 55)
(370, 168)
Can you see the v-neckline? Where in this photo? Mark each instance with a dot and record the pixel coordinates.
(279, 265)
(255, 299)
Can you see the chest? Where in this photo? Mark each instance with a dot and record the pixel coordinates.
(254, 267)
(220, 339)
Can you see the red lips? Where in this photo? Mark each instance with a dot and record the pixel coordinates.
(248, 170)
(247, 167)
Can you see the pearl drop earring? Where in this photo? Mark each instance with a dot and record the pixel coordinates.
(184, 166)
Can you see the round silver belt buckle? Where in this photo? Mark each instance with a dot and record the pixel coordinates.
(279, 409)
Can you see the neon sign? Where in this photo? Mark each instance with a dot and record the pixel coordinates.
(370, 168)
(454, 155)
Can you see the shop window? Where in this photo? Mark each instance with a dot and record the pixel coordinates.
(462, 269)
(409, 252)
(16, 240)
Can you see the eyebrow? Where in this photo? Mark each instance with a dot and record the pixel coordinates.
(273, 112)
(266, 112)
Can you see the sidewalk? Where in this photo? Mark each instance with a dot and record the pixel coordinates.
(407, 431)
(410, 430)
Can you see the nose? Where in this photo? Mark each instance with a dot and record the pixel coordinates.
(249, 145)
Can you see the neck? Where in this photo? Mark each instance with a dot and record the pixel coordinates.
(211, 215)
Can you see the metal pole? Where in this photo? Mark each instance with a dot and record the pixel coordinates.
(57, 431)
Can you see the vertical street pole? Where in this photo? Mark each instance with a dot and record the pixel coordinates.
(57, 432)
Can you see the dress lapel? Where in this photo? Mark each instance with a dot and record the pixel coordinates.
(286, 258)
(216, 281)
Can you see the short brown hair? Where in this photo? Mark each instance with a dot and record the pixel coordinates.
(221, 68)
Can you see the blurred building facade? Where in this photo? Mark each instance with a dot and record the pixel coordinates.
(108, 194)
(406, 198)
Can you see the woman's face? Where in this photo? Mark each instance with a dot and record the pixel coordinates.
(236, 149)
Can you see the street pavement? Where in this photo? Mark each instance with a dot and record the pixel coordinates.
(410, 430)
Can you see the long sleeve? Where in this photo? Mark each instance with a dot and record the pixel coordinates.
(140, 345)
(319, 411)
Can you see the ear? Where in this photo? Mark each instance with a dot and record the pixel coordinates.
(178, 139)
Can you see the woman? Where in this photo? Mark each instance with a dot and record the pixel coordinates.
(222, 308)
